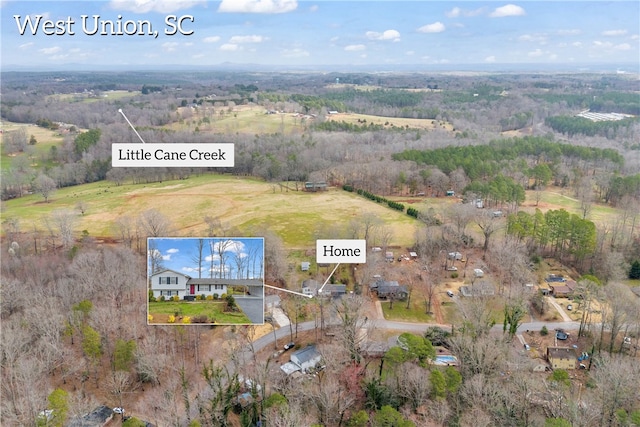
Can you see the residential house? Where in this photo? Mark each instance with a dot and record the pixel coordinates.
(169, 283)
(310, 287)
(477, 289)
(334, 290)
(304, 360)
(99, 417)
(563, 289)
(389, 289)
(561, 357)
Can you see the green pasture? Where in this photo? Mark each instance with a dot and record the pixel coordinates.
(38, 154)
(240, 119)
(212, 309)
(244, 206)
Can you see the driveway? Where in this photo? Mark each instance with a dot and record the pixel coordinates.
(558, 307)
(252, 307)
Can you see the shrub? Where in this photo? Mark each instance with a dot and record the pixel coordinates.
(198, 297)
(175, 298)
(201, 318)
(544, 331)
(209, 297)
(149, 318)
(454, 275)
(186, 319)
(223, 296)
(216, 296)
(151, 297)
(203, 297)
(162, 298)
(172, 319)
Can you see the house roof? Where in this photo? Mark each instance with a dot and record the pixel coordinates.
(166, 270)
(228, 282)
(381, 282)
(561, 353)
(311, 284)
(96, 418)
(338, 289)
(477, 289)
(306, 354)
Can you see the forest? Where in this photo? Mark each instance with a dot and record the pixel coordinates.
(500, 169)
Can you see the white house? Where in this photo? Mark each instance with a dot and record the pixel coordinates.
(169, 283)
(303, 360)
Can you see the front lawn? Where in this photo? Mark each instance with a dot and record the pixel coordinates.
(214, 310)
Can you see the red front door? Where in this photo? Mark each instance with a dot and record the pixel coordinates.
(193, 289)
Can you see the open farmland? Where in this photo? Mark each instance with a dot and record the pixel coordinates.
(241, 204)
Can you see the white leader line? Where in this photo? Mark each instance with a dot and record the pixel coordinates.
(287, 290)
(134, 129)
(328, 277)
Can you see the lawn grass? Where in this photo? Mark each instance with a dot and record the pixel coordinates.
(415, 312)
(214, 310)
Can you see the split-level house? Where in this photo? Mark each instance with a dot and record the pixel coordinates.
(170, 283)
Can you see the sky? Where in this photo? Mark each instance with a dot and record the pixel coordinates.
(178, 255)
(297, 33)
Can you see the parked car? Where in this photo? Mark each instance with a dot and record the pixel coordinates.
(561, 335)
(450, 293)
(526, 347)
(452, 268)
(289, 346)
(570, 307)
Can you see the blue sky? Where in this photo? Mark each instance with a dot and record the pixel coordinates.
(179, 254)
(307, 33)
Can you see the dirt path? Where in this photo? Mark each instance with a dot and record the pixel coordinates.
(437, 309)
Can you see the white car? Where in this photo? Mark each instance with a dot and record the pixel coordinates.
(452, 268)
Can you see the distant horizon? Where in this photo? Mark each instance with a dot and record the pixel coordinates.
(587, 68)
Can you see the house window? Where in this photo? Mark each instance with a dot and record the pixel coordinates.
(168, 293)
(204, 288)
(169, 280)
(218, 287)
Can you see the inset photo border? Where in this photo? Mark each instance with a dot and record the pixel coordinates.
(205, 280)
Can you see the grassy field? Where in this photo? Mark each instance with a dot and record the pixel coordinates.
(214, 311)
(88, 98)
(390, 122)
(37, 154)
(245, 205)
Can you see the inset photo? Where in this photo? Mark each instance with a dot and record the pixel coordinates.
(205, 280)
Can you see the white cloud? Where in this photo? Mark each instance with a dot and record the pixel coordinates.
(246, 39)
(454, 13)
(537, 38)
(457, 12)
(491, 58)
(614, 33)
(257, 6)
(160, 6)
(535, 53)
(314, 8)
(410, 52)
(571, 32)
(211, 39)
(354, 47)
(507, 10)
(50, 50)
(25, 45)
(294, 53)
(173, 251)
(169, 46)
(386, 35)
(229, 47)
(436, 27)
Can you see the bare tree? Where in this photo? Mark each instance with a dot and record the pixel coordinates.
(45, 186)
(198, 257)
(64, 221)
(154, 223)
